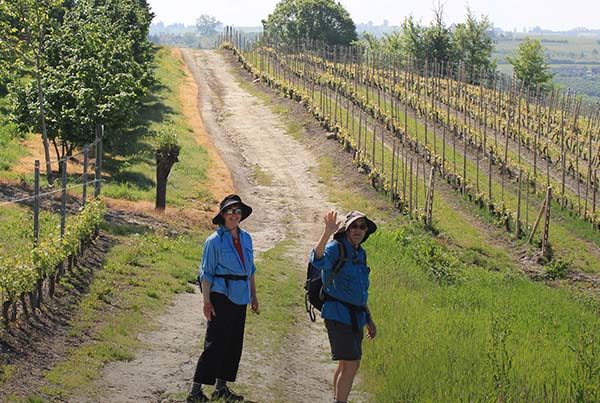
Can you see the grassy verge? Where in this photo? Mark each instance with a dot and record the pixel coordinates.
(453, 332)
(139, 277)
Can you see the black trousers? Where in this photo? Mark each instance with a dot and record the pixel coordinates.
(223, 342)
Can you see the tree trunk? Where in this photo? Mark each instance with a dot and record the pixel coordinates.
(165, 159)
(40, 92)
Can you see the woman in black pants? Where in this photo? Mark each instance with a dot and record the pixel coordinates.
(228, 286)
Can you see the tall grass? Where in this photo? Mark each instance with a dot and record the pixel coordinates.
(455, 332)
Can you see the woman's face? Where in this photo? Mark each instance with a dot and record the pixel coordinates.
(357, 231)
(232, 216)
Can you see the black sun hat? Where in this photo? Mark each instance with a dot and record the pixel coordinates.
(230, 200)
(350, 218)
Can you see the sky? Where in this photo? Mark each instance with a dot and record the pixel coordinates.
(556, 15)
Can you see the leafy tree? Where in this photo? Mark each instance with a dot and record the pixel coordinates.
(95, 73)
(294, 21)
(207, 25)
(24, 29)
(473, 44)
(437, 39)
(392, 43)
(411, 39)
(530, 65)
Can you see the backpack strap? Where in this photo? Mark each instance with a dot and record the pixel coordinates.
(337, 266)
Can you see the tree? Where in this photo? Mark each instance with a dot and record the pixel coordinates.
(294, 21)
(167, 154)
(474, 45)
(207, 25)
(411, 39)
(369, 41)
(530, 65)
(437, 38)
(95, 72)
(24, 28)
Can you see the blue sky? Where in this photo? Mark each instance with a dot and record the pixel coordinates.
(506, 14)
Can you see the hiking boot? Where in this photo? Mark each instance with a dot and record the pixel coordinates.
(197, 398)
(226, 394)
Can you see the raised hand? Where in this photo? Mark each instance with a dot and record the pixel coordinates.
(331, 223)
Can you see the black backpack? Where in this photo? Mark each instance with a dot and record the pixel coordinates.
(315, 296)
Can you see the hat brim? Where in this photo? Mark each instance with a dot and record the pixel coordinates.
(246, 211)
(371, 227)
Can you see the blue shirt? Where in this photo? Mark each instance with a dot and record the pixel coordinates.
(350, 284)
(220, 257)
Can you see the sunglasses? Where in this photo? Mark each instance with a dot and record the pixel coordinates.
(361, 227)
(233, 211)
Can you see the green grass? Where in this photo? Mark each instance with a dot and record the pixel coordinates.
(132, 167)
(481, 336)
(277, 284)
(10, 147)
(140, 276)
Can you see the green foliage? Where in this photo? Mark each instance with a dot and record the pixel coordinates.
(294, 21)
(468, 42)
(19, 272)
(530, 66)
(442, 266)
(166, 136)
(557, 269)
(10, 150)
(95, 68)
(410, 39)
(474, 45)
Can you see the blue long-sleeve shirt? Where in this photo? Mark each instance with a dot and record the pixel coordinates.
(220, 257)
(350, 284)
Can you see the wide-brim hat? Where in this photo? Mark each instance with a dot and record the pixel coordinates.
(350, 218)
(228, 201)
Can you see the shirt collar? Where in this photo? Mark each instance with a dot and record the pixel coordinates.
(349, 246)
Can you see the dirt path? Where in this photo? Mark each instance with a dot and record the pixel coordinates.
(249, 137)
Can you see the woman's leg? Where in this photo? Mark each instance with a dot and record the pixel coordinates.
(345, 379)
(214, 348)
(234, 343)
(336, 377)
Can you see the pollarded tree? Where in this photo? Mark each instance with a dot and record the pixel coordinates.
(167, 154)
(294, 21)
(530, 65)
